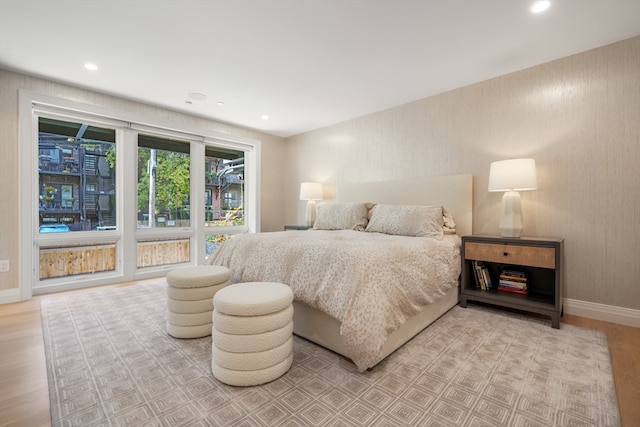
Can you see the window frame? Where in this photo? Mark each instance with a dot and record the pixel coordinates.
(127, 126)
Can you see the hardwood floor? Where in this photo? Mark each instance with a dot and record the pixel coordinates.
(24, 396)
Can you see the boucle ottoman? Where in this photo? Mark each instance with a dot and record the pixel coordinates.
(252, 335)
(190, 292)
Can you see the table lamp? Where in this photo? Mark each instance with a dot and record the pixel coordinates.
(311, 191)
(512, 176)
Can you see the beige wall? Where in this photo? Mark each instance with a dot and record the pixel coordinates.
(579, 117)
(272, 150)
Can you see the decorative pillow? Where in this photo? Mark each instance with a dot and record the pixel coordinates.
(403, 220)
(449, 226)
(341, 216)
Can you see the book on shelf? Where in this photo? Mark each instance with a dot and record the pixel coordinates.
(513, 281)
(512, 290)
(514, 273)
(487, 278)
(476, 279)
(481, 275)
(505, 284)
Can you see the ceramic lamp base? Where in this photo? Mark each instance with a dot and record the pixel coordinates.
(310, 216)
(511, 219)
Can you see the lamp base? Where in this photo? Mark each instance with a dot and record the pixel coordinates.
(310, 216)
(511, 220)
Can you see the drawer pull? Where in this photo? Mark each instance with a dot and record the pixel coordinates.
(505, 253)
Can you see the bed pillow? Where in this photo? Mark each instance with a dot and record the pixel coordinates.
(449, 226)
(341, 216)
(405, 220)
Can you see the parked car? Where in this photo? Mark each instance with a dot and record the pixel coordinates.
(54, 228)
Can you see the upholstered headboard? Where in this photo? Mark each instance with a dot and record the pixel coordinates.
(454, 192)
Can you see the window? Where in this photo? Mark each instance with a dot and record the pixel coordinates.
(163, 183)
(224, 187)
(76, 170)
(224, 195)
(111, 200)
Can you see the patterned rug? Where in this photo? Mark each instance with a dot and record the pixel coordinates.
(111, 363)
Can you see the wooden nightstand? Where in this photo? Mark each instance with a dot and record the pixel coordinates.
(539, 260)
(297, 227)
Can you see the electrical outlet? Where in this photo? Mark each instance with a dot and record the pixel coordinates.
(4, 265)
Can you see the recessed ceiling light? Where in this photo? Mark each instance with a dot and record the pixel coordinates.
(220, 103)
(540, 6)
(264, 117)
(197, 96)
(91, 67)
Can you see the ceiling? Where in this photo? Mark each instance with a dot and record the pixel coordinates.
(305, 64)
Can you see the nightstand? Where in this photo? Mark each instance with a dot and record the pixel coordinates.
(538, 260)
(297, 227)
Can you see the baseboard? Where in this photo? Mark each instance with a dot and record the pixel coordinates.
(9, 295)
(607, 313)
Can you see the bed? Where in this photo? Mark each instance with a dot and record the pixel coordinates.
(365, 286)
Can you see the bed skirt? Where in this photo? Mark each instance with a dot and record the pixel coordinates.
(324, 330)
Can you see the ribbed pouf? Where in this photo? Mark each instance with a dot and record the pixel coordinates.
(252, 340)
(190, 292)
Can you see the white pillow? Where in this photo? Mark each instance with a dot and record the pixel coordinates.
(341, 216)
(404, 220)
(449, 226)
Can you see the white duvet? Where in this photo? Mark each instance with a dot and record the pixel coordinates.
(371, 282)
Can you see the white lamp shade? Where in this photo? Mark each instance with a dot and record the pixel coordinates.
(310, 191)
(513, 175)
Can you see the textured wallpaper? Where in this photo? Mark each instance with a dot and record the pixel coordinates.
(578, 117)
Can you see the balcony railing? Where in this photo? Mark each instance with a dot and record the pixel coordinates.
(66, 166)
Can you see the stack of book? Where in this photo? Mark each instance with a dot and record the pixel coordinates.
(481, 275)
(513, 281)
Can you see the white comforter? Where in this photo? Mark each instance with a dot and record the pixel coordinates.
(371, 282)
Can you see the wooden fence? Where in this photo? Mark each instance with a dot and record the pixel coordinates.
(71, 260)
(163, 252)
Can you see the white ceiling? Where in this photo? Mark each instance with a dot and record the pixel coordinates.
(307, 64)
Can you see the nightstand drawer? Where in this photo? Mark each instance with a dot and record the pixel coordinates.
(534, 256)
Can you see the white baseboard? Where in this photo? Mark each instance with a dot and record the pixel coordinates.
(607, 313)
(9, 295)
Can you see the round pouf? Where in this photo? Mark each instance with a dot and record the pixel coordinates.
(190, 292)
(252, 340)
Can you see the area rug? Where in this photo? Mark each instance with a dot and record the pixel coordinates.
(111, 363)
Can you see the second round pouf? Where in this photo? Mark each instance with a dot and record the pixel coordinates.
(190, 292)
(254, 345)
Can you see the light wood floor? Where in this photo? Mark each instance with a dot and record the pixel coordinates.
(24, 396)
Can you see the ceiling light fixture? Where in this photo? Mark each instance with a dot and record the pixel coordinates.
(220, 103)
(91, 67)
(197, 96)
(264, 117)
(540, 6)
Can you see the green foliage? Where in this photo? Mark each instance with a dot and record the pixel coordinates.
(218, 238)
(232, 217)
(143, 179)
(111, 156)
(172, 181)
